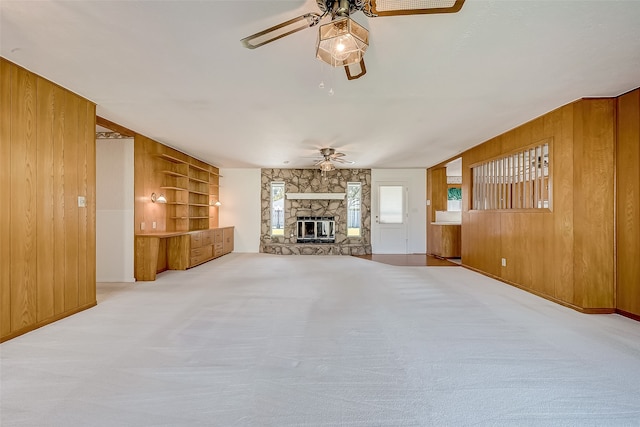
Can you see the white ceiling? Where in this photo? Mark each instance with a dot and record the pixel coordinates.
(436, 84)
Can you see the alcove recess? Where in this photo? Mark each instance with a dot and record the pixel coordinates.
(190, 186)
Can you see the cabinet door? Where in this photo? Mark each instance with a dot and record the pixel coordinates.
(227, 240)
(207, 237)
(178, 251)
(196, 240)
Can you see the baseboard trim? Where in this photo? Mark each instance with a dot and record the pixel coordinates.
(46, 322)
(591, 310)
(633, 316)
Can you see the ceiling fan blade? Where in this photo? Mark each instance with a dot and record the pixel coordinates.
(281, 30)
(416, 7)
(341, 160)
(358, 69)
(338, 155)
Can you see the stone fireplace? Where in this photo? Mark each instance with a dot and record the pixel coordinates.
(315, 225)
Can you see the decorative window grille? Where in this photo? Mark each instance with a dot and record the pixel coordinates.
(521, 180)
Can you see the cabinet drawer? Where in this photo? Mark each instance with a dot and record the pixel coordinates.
(207, 237)
(196, 240)
(200, 255)
(218, 249)
(217, 235)
(203, 251)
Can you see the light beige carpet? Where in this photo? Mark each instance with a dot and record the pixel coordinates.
(265, 340)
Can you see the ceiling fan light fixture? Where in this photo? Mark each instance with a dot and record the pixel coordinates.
(342, 42)
(326, 166)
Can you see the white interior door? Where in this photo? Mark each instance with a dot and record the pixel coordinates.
(390, 218)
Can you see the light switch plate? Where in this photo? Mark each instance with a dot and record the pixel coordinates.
(82, 202)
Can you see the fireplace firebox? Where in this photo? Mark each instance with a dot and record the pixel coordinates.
(316, 229)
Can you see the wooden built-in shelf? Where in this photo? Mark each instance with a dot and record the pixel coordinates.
(199, 167)
(199, 180)
(189, 185)
(172, 173)
(171, 158)
(174, 188)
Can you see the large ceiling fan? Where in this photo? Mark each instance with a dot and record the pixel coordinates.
(342, 41)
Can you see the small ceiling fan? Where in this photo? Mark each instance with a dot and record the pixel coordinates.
(342, 41)
(329, 155)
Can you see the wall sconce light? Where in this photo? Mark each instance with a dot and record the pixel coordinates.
(158, 198)
(216, 203)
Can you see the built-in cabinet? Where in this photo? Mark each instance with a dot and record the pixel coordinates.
(445, 240)
(157, 252)
(189, 185)
(183, 232)
(191, 190)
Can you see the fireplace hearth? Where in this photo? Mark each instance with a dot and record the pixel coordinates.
(315, 229)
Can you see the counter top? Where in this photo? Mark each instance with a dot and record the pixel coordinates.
(445, 223)
(163, 234)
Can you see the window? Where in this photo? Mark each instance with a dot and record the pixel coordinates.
(454, 199)
(518, 181)
(277, 208)
(391, 204)
(354, 214)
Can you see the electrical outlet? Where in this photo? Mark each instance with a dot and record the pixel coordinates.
(504, 262)
(153, 225)
(82, 202)
(142, 226)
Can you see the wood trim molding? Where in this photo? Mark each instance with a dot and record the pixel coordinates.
(101, 121)
(547, 297)
(627, 314)
(47, 321)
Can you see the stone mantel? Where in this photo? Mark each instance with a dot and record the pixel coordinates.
(316, 196)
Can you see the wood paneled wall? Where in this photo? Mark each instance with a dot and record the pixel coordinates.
(566, 253)
(628, 204)
(47, 160)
